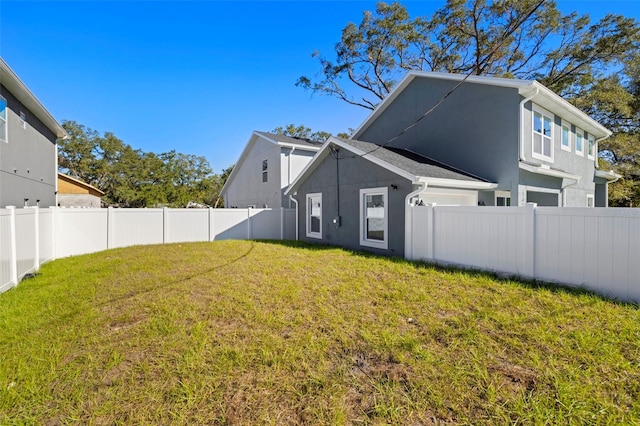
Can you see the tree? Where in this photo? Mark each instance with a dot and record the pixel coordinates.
(593, 65)
(527, 39)
(303, 132)
(134, 178)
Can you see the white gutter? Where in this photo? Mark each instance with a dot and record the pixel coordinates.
(521, 133)
(564, 192)
(460, 184)
(295, 201)
(408, 225)
(596, 149)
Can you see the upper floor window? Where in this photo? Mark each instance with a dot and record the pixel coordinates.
(3, 119)
(565, 136)
(542, 135)
(579, 142)
(23, 120)
(265, 171)
(591, 148)
(590, 202)
(314, 215)
(373, 217)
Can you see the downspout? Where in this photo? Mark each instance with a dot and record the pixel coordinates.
(522, 102)
(296, 202)
(293, 148)
(596, 148)
(564, 192)
(408, 225)
(596, 160)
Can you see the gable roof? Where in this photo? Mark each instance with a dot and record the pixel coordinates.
(12, 82)
(404, 163)
(542, 96)
(276, 139)
(78, 182)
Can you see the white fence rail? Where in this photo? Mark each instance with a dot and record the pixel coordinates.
(598, 249)
(32, 236)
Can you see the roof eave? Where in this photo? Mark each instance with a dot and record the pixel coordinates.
(456, 183)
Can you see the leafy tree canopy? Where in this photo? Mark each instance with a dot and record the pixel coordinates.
(134, 178)
(304, 132)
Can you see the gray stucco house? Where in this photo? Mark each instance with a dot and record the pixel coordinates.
(267, 166)
(450, 140)
(28, 147)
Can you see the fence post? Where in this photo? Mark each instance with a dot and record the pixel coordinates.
(54, 223)
(13, 260)
(165, 224)
(281, 223)
(36, 260)
(430, 230)
(248, 223)
(211, 225)
(109, 227)
(530, 240)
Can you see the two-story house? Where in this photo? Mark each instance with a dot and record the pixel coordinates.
(454, 140)
(28, 147)
(267, 166)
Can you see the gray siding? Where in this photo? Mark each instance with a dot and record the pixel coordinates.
(475, 129)
(355, 173)
(27, 160)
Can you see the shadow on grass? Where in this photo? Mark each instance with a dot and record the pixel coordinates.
(453, 269)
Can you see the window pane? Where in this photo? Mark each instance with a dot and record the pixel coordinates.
(565, 136)
(547, 126)
(547, 147)
(537, 122)
(3, 108)
(264, 177)
(3, 130)
(265, 165)
(578, 142)
(537, 143)
(315, 224)
(592, 145)
(375, 229)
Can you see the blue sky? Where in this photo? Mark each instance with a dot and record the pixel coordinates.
(194, 76)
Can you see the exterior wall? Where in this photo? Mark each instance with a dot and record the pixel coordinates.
(78, 200)
(247, 188)
(27, 160)
(355, 173)
(601, 193)
(292, 165)
(568, 161)
(475, 129)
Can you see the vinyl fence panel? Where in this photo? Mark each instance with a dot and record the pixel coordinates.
(231, 224)
(80, 231)
(46, 235)
(6, 281)
(129, 227)
(184, 225)
(26, 241)
(265, 224)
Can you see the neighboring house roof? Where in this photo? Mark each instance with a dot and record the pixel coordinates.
(77, 183)
(541, 96)
(12, 82)
(276, 139)
(407, 164)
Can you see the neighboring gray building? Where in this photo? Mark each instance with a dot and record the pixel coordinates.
(267, 166)
(28, 148)
(450, 140)
(535, 145)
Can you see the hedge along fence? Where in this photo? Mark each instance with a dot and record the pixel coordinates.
(32, 236)
(594, 248)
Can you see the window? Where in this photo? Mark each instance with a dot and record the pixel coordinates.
(579, 142)
(591, 148)
(542, 135)
(373, 217)
(589, 200)
(503, 199)
(314, 215)
(3, 119)
(265, 167)
(565, 137)
(23, 120)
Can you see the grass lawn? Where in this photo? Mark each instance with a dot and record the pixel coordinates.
(244, 332)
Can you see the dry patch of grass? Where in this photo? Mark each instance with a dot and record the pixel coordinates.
(263, 333)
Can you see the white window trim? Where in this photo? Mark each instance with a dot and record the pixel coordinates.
(6, 120)
(567, 125)
(591, 156)
(311, 234)
(581, 152)
(593, 201)
(501, 194)
(384, 244)
(533, 132)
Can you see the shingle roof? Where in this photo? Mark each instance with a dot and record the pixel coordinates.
(412, 162)
(287, 139)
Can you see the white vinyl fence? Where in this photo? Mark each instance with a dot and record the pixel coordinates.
(595, 248)
(32, 236)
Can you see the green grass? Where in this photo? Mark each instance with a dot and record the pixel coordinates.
(265, 333)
